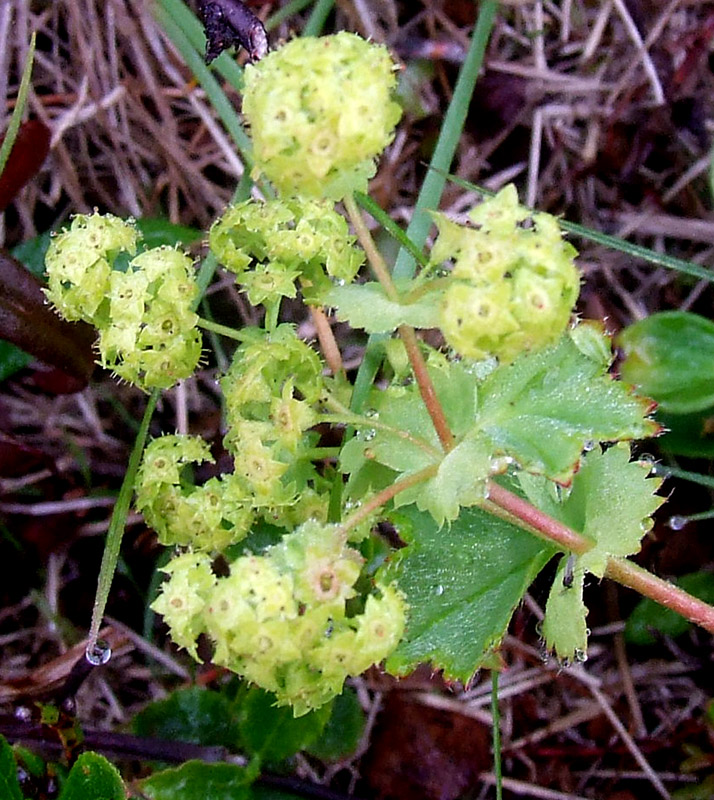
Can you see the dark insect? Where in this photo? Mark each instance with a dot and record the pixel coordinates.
(229, 23)
(569, 572)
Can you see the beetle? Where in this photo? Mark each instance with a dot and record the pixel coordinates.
(230, 23)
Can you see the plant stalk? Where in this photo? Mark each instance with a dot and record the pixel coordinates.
(406, 332)
(386, 495)
(618, 569)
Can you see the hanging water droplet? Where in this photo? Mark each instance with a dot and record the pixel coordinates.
(677, 522)
(647, 460)
(580, 656)
(98, 654)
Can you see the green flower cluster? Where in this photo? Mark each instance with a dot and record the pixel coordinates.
(280, 618)
(147, 329)
(270, 394)
(321, 111)
(269, 246)
(513, 282)
(209, 517)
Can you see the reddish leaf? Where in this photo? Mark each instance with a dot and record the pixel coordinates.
(27, 321)
(26, 157)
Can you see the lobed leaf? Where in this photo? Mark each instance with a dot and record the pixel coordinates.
(366, 306)
(462, 584)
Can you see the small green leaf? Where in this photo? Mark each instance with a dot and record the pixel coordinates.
(462, 584)
(610, 502)
(156, 232)
(272, 733)
(564, 631)
(9, 785)
(196, 780)
(191, 715)
(344, 729)
(649, 617)
(92, 776)
(669, 356)
(545, 407)
(366, 306)
(460, 481)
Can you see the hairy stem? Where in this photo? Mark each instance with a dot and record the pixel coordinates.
(618, 569)
(406, 332)
(383, 497)
(661, 591)
(326, 337)
(537, 520)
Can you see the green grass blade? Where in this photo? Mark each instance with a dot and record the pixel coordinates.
(433, 185)
(117, 524)
(294, 7)
(318, 16)
(389, 225)
(14, 124)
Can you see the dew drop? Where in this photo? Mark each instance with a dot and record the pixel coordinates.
(677, 522)
(580, 656)
(588, 446)
(98, 654)
(647, 460)
(369, 435)
(439, 590)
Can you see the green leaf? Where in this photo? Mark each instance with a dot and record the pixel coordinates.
(92, 776)
(540, 412)
(649, 617)
(460, 481)
(543, 409)
(193, 715)
(367, 306)
(196, 780)
(9, 785)
(610, 502)
(670, 357)
(564, 630)
(272, 733)
(462, 584)
(344, 729)
(157, 231)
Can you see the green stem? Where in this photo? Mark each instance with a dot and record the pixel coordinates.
(433, 185)
(117, 525)
(223, 330)
(357, 421)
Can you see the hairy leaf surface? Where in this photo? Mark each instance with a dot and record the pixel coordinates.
(462, 583)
